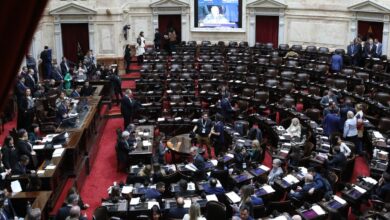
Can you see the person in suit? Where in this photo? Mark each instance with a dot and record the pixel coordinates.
(157, 39)
(20, 89)
(221, 173)
(26, 110)
(336, 62)
(127, 108)
(30, 81)
(256, 153)
(255, 133)
(179, 211)
(127, 57)
(183, 189)
(24, 147)
(331, 123)
(4, 172)
(245, 213)
(212, 188)
(57, 75)
(348, 106)
(116, 85)
(218, 136)
(75, 214)
(370, 49)
(378, 47)
(64, 211)
(276, 171)
(8, 208)
(199, 161)
(62, 114)
(20, 168)
(301, 192)
(76, 92)
(10, 154)
(227, 110)
(65, 66)
(34, 135)
(87, 89)
(156, 193)
(46, 62)
(123, 149)
(254, 199)
(31, 63)
(329, 97)
(383, 189)
(338, 160)
(352, 51)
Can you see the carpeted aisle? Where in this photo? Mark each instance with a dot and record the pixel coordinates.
(103, 171)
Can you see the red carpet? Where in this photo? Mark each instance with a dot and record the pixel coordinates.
(114, 110)
(103, 172)
(361, 168)
(128, 84)
(7, 128)
(62, 198)
(131, 75)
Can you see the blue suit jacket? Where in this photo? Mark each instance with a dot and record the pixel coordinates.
(152, 194)
(337, 62)
(331, 124)
(378, 51)
(213, 190)
(256, 200)
(177, 212)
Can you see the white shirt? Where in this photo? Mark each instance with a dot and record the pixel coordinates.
(187, 217)
(345, 149)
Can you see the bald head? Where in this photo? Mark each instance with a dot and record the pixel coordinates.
(180, 201)
(75, 212)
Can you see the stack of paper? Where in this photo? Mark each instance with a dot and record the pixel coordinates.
(265, 168)
(233, 197)
(291, 179)
(38, 147)
(16, 187)
(134, 201)
(211, 197)
(370, 180)
(58, 152)
(361, 190)
(339, 200)
(268, 189)
(318, 210)
(187, 203)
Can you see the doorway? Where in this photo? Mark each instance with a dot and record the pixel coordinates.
(75, 41)
(369, 29)
(167, 21)
(267, 29)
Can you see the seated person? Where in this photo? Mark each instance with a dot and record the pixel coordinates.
(61, 98)
(194, 213)
(338, 160)
(158, 172)
(221, 173)
(326, 99)
(63, 114)
(294, 130)
(179, 211)
(87, 89)
(320, 183)
(20, 168)
(240, 156)
(161, 149)
(212, 188)
(183, 189)
(343, 147)
(255, 133)
(256, 153)
(199, 161)
(276, 171)
(382, 192)
(155, 213)
(75, 214)
(114, 196)
(64, 211)
(301, 192)
(146, 171)
(245, 213)
(34, 135)
(76, 92)
(156, 193)
(255, 200)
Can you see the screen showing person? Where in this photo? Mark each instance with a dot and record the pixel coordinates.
(218, 13)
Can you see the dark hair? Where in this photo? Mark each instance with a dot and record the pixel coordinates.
(7, 140)
(154, 209)
(244, 207)
(24, 158)
(46, 47)
(160, 185)
(21, 132)
(213, 182)
(311, 170)
(183, 184)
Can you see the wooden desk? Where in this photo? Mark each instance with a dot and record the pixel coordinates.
(143, 153)
(38, 199)
(180, 145)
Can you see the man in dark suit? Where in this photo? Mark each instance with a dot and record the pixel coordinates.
(64, 211)
(331, 123)
(57, 74)
(183, 189)
(20, 168)
(46, 62)
(127, 108)
(20, 88)
(156, 193)
(348, 106)
(212, 188)
(23, 146)
(87, 89)
(179, 211)
(199, 161)
(338, 160)
(123, 149)
(383, 189)
(76, 92)
(65, 66)
(378, 46)
(226, 108)
(370, 49)
(353, 50)
(30, 81)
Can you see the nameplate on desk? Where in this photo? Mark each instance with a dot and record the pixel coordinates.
(58, 152)
(146, 143)
(135, 201)
(38, 147)
(147, 104)
(41, 172)
(211, 197)
(233, 197)
(178, 118)
(339, 200)
(187, 203)
(160, 119)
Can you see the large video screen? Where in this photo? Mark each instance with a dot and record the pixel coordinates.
(219, 14)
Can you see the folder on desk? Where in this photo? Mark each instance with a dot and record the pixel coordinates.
(233, 197)
(265, 168)
(187, 203)
(211, 197)
(370, 180)
(134, 201)
(268, 189)
(127, 189)
(290, 179)
(359, 189)
(318, 210)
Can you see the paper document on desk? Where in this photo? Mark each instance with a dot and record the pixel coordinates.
(146, 143)
(153, 203)
(318, 210)
(230, 155)
(58, 152)
(16, 187)
(211, 197)
(191, 167)
(370, 180)
(191, 186)
(73, 114)
(187, 203)
(160, 119)
(135, 201)
(360, 189)
(57, 146)
(268, 189)
(233, 197)
(377, 135)
(214, 162)
(339, 200)
(265, 168)
(303, 170)
(41, 172)
(127, 189)
(38, 147)
(50, 167)
(291, 179)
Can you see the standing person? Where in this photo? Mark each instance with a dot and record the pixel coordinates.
(127, 57)
(65, 66)
(219, 140)
(203, 131)
(26, 109)
(157, 40)
(116, 86)
(31, 63)
(127, 108)
(350, 131)
(337, 62)
(140, 48)
(378, 45)
(46, 62)
(172, 40)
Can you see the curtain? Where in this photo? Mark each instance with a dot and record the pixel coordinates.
(367, 29)
(267, 29)
(74, 36)
(17, 27)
